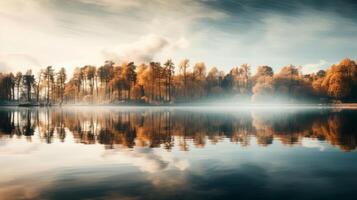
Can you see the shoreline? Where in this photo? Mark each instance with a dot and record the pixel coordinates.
(238, 105)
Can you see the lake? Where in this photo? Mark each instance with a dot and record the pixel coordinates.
(178, 153)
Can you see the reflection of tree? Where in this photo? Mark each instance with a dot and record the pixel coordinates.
(28, 127)
(339, 129)
(335, 127)
(167, 128)
(7, 125)
(47, 129)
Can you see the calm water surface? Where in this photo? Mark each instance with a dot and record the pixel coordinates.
(177, 153)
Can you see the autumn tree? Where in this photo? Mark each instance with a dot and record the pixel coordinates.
(341, 80)
(264, 71)
(129, 76)
(290, 82)
(48, 75)
(244, 78)
(184, 65)
(61, 79)
(37, 86)
(199, 79)
(169, 71)
(105, 74)
(155, 83)
(263, 84)
(153, 69)
(214, 80)
(117, 82)
(263, 89)
(143, 82)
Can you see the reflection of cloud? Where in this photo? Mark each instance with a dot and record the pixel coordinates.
(25, 189)
(10, 150)
(147, 160)
(182, 164)
(157, 163)
(312, 143)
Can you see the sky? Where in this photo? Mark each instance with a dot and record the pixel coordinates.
(222, 33)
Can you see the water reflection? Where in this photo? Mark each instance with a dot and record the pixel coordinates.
(177, 153)
(165, 128)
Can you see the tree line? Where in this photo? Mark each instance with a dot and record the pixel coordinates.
(159, 83)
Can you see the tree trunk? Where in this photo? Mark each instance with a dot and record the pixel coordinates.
(28, 93)
(170, 88)
(129, 93)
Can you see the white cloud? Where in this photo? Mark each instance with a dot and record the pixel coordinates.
(315, 67)
(18, 62)
(113, 4)
(81, 31)
(143, 50)
(182, 43)
(71, 35)
(148, 48)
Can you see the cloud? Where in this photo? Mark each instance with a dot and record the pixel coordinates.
(145, 50)
(112, 4)
(222, 33)
(75, 33)
(182, 43)
(18, 62)
(315, 67)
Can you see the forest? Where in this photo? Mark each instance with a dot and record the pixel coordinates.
(158, 83)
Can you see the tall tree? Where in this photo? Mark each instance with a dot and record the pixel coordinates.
(90, 72)
(129, 76)
(184, 65)
(37, 86)
(105, 73)
(199, 79)
(244, 72)
(48, 75)
(61, 79)
(77, 81)
(18, 81)
(169, 73)
(28, 82)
